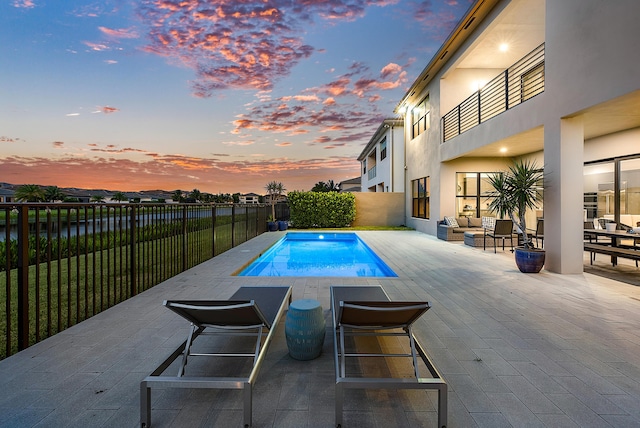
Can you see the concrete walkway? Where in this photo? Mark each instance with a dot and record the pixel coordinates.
(518, 350)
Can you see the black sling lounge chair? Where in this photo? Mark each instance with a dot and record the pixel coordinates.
(251, 311)
(368, 311)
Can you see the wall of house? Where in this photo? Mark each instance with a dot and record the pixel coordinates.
(613, 145)
(397, 161)
(379, 209)
(591, 52)
(587, 62)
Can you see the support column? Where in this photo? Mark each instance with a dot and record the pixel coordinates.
(563, 195)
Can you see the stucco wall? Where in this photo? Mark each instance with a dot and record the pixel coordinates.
(379, 209)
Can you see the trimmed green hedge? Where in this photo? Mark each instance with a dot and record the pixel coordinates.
(321, 209)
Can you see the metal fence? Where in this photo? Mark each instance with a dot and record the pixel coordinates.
(520, 82)
(63, 263)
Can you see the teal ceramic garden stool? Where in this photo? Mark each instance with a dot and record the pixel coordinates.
(304, 329)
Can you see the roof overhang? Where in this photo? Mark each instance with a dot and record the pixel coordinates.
(475, 14)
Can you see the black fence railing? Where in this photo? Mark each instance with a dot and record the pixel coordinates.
(520, 82)
(63, 263)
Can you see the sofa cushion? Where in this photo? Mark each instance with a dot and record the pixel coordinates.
(463, 221)
(451, 221)
(475, 222)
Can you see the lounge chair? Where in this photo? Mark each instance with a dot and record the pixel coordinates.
(368, 311)
(249, 312)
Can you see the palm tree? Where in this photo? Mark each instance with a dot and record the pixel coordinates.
(515, 192)
(97, 198)
(119, 196)
(196, 195)
(53, 193)
(29, 193)
(177, 196)
(329, 186)
(274, 189)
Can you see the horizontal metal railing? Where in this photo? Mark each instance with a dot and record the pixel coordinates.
(520, 82)
(63, 263)
(371, 174)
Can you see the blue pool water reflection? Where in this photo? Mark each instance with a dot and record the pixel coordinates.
(319, 254)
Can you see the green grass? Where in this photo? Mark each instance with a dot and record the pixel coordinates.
(86, 284)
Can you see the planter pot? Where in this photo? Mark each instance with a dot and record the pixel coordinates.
(529, 260)
(611, 227)
(273, 226)
(282, 225)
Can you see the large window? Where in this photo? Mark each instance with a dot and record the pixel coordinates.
(612, 191)
(472, 190)
(420, 117)
(420, 190)
(383, 148)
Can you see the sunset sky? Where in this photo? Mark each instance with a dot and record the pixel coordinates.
(217, 95)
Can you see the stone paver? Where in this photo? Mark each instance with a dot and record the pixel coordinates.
(517, 350)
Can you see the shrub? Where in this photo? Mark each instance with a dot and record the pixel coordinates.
(321, 209)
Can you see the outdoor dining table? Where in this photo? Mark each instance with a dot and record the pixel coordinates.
(614, 235)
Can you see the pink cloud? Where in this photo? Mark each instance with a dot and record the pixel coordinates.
(109, 110)
(120, 33)
(27, 4)
(97, 46)
(239, 44)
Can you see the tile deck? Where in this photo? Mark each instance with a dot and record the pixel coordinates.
(541, 350)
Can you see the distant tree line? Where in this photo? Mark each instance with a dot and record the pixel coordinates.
(35, 193)
(328, 186)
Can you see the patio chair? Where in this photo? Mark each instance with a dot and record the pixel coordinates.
(539, 233)
(368, 311)
(503, 229)
(251, 311)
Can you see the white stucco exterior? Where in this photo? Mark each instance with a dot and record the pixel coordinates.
(589, 109)
(386, 174)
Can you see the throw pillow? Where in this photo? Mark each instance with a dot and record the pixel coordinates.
(463, 221)
(451, 221)
(475, 222)
(488, 222)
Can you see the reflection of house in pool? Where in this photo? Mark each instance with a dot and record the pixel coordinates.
(527, 79)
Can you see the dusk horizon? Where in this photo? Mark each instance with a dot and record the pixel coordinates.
(221, 96)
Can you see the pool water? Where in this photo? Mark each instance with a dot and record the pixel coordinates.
(319, 254)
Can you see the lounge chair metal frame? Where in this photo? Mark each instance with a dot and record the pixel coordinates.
(368, 311)
(239, 316)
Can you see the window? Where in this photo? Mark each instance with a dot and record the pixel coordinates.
(364, 166)
(472, 190)
(420, 190)
(420, 117)
(383, 148)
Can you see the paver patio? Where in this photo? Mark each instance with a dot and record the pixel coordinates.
(541, 350)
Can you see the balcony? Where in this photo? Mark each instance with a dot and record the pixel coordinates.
(517, 84)
(371, 174)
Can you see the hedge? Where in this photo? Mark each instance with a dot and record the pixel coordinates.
(321, 209)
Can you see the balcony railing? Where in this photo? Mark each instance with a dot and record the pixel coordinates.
(520, 82)
(371, 174)
(63, 263)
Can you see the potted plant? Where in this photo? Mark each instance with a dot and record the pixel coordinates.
(275, 189)
(516, 191)
(272, 224)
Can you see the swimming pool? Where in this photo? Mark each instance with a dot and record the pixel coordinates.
(319, 254)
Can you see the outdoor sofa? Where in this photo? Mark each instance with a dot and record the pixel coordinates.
(454, 231)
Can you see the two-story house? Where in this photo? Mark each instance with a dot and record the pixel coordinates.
(382, 159)
(555, 81)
